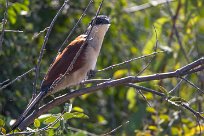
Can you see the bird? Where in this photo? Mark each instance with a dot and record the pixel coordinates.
(63, 73)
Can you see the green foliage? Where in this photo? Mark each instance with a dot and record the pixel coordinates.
(131, 34)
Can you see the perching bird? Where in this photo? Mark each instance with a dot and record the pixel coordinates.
(85, 62)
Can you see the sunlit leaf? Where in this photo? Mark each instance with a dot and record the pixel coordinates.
(11, 15)
(152, 128)
(101, 120)
(177, 100)
(36, 123)
(150, 110)
(148, 96)
(78, 109)
(164, 117)
(68, 115)
(2, 123)
(120, 73)
(50, 120)
(3, 130)
(131, 97)
(149, 46)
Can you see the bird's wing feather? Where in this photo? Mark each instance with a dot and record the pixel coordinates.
(63, 61)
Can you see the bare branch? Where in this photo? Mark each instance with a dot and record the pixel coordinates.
(146, 5)
(13, 31)
(37, 34)
(192, 84)
(17, 78)
(128, 61)
(112, 131)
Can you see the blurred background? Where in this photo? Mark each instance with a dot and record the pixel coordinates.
(136, 25)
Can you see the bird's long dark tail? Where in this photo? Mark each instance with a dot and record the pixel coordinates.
(31, 105)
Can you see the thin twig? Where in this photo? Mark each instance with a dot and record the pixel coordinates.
(192, 84)
(4, 82)
(17, 78)
(146, 5)
(13, 31)
(37, 34)
(197, 114)
(3, 25)
(115, 129)
(145, 89)
(128, 61)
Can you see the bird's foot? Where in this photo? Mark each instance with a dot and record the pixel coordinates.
(91, 74)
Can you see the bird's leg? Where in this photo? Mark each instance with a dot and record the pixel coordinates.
(91, 74)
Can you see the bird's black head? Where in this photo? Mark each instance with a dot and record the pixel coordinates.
(100, 20)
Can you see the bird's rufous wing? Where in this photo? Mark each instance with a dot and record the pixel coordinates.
(64, 59)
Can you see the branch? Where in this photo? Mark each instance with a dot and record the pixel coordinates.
(128, 61)
(146, 5)
(102, 86)
(17, 78)
(13, 31)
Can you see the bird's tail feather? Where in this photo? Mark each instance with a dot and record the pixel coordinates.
(28, 109)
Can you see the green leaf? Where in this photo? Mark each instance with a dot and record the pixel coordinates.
(37, 123)
(68, 115)
(131, 94)
(153, 128)
(2, 123)
(80, 115)
(150, 110)
(101, 120)
(57, 125)
(49, 120)
(177, 100)
(78, 109)
(11, 15)
(3, 130)
(120, 73)
(158, 24)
